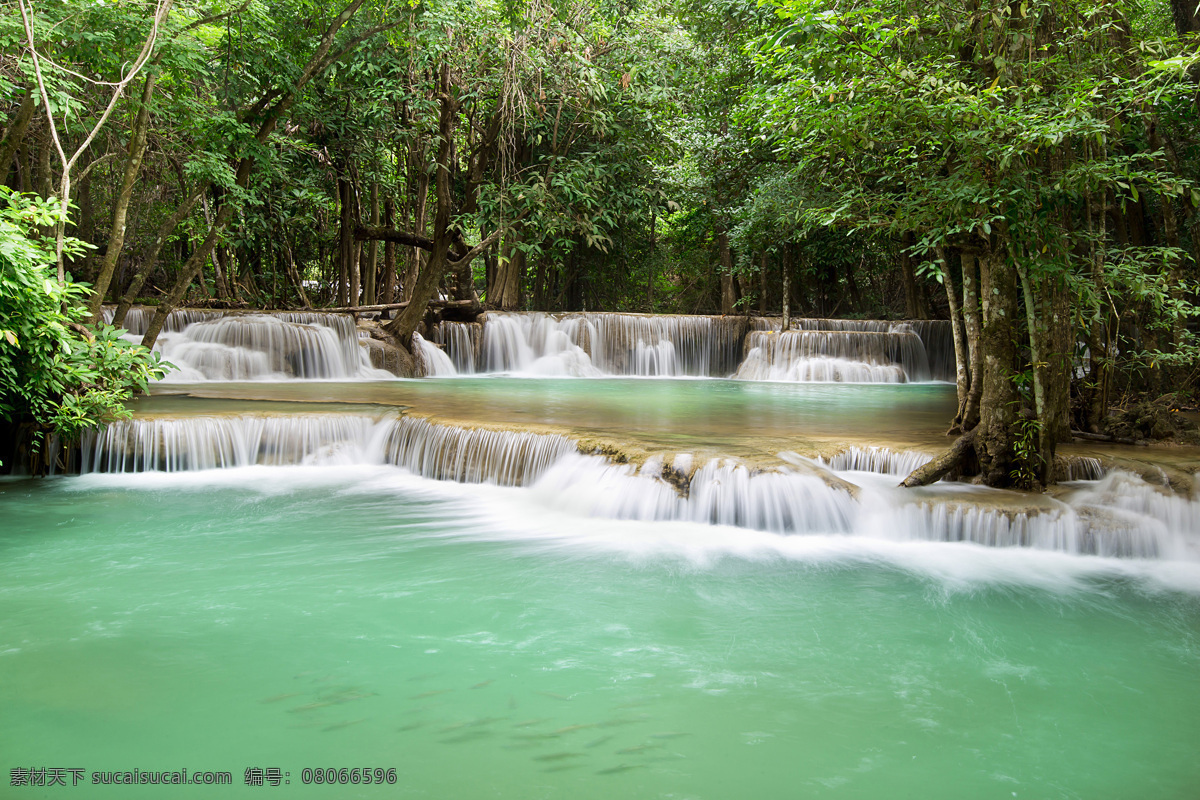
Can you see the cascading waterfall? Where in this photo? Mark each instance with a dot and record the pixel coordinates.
(433, 361)
(461, 342)
(473, 455)
(137, 318)
(593, 344)
(882, 460)
(214, 345)
(896, 356)
(197, 443)
(720, 492)
(438, 452)
(1119, 516)
(217, 346)
(936, 336)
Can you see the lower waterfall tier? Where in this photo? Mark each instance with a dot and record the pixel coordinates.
(1119, 515)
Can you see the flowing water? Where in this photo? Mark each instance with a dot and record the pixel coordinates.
(483, 644)
(297, 573)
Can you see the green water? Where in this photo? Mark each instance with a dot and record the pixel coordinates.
(723, 414)
(484, 647)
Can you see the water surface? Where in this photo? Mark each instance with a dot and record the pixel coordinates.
(360, 616)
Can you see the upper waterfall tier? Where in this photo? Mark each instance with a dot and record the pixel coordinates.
(216, 346)
(594, 344)
(589, 344)
(222, 346)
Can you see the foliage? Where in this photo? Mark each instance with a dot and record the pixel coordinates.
(55, 372)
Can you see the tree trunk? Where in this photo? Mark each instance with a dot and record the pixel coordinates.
(15, 132)
(345, 297)
(999, 400)
(435, 267)
(972, 330)
(787, 289)
(420, 215)
(133, 167)
(726, 255)
(913, 306)
(389, 254)
(937, 468)
(372, 262)
(962, 373)
(510, 273)
(150, 260)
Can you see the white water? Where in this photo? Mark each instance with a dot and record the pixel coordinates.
(597, 344)
(1119, 516)
(433, 361)
(216, 346)
(896, 356)
(219, 346)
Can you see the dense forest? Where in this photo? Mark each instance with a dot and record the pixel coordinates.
(1026, 169)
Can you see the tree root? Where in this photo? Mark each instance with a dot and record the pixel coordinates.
(938, 467)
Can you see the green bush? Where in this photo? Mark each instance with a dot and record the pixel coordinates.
(57, 375)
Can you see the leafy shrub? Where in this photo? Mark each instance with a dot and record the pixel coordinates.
(56, 374)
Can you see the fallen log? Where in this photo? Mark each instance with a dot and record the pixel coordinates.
(936, 468)
(455, 304)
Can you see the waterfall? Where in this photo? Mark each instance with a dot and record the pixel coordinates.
(215, 345)
(196, 443)
(439, 452)
(594, 344)
(460, 341)
(220, 346)
(929, 356)
(433, 361)
(137, 318)
(473, 455)
(719, 493)
(882, 460)
(1118, 516)
(857, 356)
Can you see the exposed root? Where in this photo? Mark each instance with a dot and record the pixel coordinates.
(937, 468)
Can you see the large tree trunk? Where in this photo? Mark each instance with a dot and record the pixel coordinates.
(999, 400)
(510, 273)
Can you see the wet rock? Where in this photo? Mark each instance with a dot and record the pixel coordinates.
(392, 358)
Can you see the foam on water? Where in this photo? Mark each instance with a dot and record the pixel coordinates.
(222, 346)
(894, 356)
(216, 346)
(1120, 516)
